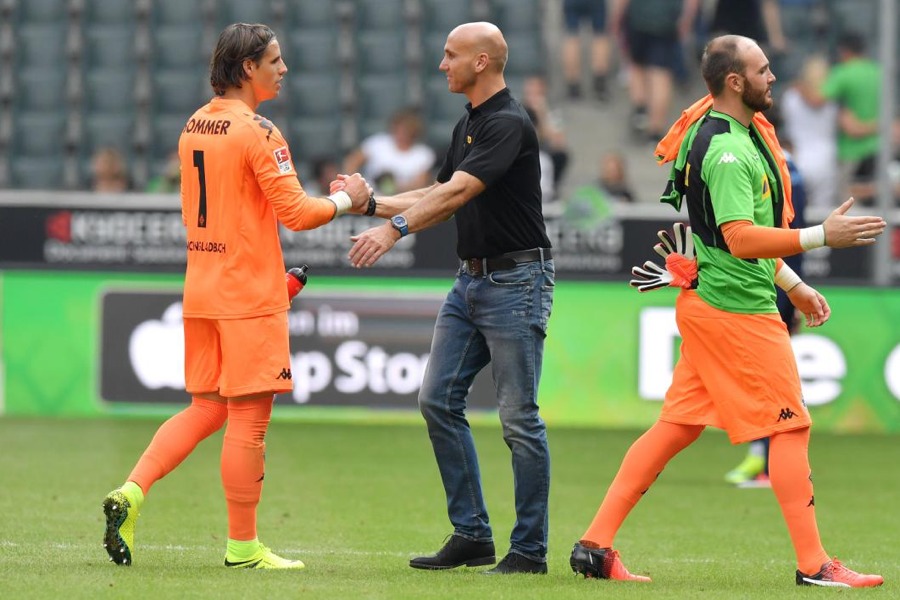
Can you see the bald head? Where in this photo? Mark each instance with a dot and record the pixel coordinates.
(482, 38)
(724, 55)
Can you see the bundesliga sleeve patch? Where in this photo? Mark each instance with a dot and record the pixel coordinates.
(283, 159)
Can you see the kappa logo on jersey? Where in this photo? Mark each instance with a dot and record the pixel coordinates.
(728, 158)
(283, 158)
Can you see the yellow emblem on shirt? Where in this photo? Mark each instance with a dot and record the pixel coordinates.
(468, 139)
(766, 190)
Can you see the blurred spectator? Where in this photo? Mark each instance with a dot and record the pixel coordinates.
(109, 171)
(325, 169)
(551, 137)
(854, 84)
(169, 181)
(613, 180)
(810, 127)
(742, 17)
(653, 31)
(394, 161)
(592, 13)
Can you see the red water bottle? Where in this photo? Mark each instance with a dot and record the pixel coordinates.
(296, 279)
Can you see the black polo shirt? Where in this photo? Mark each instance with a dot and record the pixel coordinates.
(496, 142)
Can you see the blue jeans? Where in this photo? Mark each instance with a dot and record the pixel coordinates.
(502, 319)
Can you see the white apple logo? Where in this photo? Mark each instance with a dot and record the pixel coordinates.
(156, 350)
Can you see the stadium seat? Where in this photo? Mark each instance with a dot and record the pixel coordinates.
(440, 103)
(41, 46)
(107, 129)
(167, 129)
(44, 173)
(37, 134)
(380, 52)
(379, 15)
(379, 96)
(108, 11)
(178, 12)
(516, 16)
(440, 16)
(43, 11)
(243, 11)
(432, 52)
(314, 94)
(311, 51)
(177, 47)
(310, 138)
(111, 45)
(180, 91)
(526, 55)
(110, 90)
(311, 14)
(43, 89)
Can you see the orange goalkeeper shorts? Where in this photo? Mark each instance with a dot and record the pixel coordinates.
(237, 357)
(736, 372)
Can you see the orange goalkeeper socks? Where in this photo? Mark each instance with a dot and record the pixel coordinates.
(642, 464)
(791, 479)
(243, 463)
(176, 439)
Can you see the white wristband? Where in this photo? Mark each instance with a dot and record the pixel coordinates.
(342, 202)
(812, 237)
(786, 278)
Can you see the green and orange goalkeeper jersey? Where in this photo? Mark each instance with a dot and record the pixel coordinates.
(237, 182)
(731, 176)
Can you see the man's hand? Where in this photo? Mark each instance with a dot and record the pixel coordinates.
(811, 303)
(372, 244)
(842, 231)
(356, 187)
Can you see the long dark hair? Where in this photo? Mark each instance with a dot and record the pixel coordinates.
(237, 43)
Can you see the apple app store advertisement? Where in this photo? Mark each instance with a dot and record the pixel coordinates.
(356, 349)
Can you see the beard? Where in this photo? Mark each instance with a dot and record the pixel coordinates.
(756, 98)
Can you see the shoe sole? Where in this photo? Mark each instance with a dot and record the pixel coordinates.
(475, 562)
(116, 511)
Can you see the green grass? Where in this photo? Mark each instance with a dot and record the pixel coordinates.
(355, 502)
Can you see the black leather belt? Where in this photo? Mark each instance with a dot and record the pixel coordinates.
(479, 267)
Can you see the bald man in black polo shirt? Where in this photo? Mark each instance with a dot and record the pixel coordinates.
(498, 309)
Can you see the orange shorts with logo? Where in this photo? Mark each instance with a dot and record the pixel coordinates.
(237, 357)
(736, 372)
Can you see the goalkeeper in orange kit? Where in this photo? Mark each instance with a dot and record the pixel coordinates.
(238, 183)
(737, 370)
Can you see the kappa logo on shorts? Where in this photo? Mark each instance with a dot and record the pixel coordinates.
(283, 158)
(285, 374)
(786, 414)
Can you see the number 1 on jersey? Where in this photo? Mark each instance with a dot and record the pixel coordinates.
(201, 173)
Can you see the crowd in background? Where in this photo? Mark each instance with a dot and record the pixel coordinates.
(641, 52)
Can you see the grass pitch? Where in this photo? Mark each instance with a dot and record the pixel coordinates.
(355, 502)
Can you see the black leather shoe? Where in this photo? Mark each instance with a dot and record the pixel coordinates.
(516, 563)
(458, 551)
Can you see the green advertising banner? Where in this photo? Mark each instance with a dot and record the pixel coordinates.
(74, 344)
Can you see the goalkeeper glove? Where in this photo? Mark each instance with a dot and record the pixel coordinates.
(681, 266)
(296, 279)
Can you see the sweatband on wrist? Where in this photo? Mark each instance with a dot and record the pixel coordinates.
(812, 237)
(786, 278)
(342, 202)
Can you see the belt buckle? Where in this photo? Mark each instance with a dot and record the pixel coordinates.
(475, 267)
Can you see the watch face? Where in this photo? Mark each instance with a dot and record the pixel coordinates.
(399, 221)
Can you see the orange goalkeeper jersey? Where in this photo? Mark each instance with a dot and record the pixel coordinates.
(237, 182)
